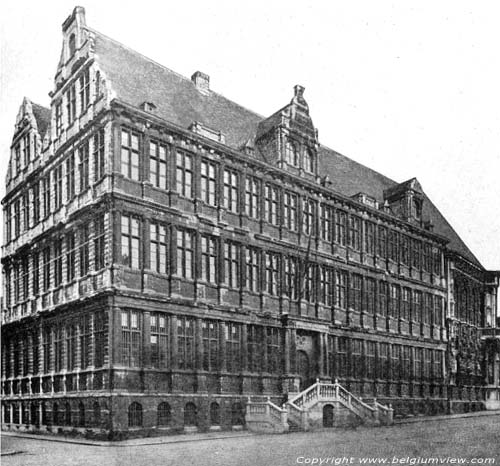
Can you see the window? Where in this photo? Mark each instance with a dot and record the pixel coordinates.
(159, 340)
(208, 258)
(130, 155)
(290, 210)
(84, 90)
(8, 222)
(370, 296)
(418, 363)
(17, 283)
(185, 343)
(308, 216)
(214, 414)
(26, 144)
(415, 253)
(46, 195)
(59, 118)
(354, 233)
(233, 347)
(210, 336)
(273, 350)
(71, 341)
(438, 310)
(98, 93)
(232, 264)
(71, 104)
(341, 289)
(158, 164)
(208, 182)
(70, 256)
(357, 358)
(26, 211)
(46, 269)
(158, 248)
(17, 160)
(291, 153)
(185, 251)
(310, 282)
(404, 250)
(396, 362)
(237, 414)
(291, 285)
(25, 274)
(394, 301)
(427, 364)
(36, 274)
(326, 223)
(70, 177)
(98, 154)
(426, 257)
(428, 311)
(85, 339)
(393, 245)
(83, 154)
(254, 346)
(184, 174)
(406, 304)
(382, 242)
(190, 415)
(342, 361)
(252, 197)
(36, 203)
(437, 372)
(130, 237)
(417, 306)
(72, 45)
(59, 348)
(17, 218)
(340, 227)
(370, 238)
(96, 412)
(405, 363)
(135, 415)
(164, 414)
(326, 285)
(252, 269)
(58, 262)
(99, 242)
(271, 204)
(355, 292)
(308, 161)
(231, 190)
(131, 338)
(272, 273)
(436, 261)
(384, 372)
(58, 187)
(84, 250)
(47, 345)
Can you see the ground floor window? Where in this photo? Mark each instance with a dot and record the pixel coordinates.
(135, 415)
(237, 414)
(214, 414)
(164, 414)
(190, 415)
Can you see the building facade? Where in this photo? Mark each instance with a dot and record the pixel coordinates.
(168, 253)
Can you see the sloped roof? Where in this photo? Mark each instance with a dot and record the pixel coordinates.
(137, 79)
(42, 117)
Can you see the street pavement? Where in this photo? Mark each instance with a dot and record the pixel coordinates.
(471, 440)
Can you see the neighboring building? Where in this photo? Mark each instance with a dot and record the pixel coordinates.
(168, 253)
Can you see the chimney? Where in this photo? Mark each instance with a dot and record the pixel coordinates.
(201, 82)
(298, 91)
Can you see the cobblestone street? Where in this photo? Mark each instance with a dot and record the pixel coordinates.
(463, 439)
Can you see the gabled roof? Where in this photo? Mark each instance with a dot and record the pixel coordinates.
(137, 79)
(42, 117)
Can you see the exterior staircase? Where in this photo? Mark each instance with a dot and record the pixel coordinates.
(320, 405)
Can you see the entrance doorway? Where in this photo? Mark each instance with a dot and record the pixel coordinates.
(303, 369)
(328, 416)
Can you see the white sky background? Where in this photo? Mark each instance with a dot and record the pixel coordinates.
(406, 88)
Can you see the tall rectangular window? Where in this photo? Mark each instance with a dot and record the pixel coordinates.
(185, 253)
(405, 304)
(71, 339)
(70, 256)
(84, 250)
(326, 223)
(26, 211)
(394, 301)
(384, 368)
(131, 338)
(340, 227)
(382, 242)
(310, 283)
(405, 363)
(427, 257)
(208, 258)
(355, 291)
(84, 90)
(326, 288)
(252, 196)
(417, 306)
(357, 358)
(232, 264)
(71, 104)
(36, 273)
(291, 276)
(415, 253)
(59, 347)
(396, 362)
(404, 250)
(272, 272)
(233, 347)
(252, 269)
(231, 189)
(98, 154)
(208, 182)
(254, 348)
(158, 248)
(309, 217)
(58, 186)
(418, 363)
(184, 174)
(130, 237)
(36, 203)
(185, 343)
(210, 336)
(159, 338)
(26, 144)
(158, 164)
(290, 201)
(271, 204)
(436, 261)
(83, 154)
(370, 296)
(46, 195)
(59, 118)
(46, 269)
(354, 236)
(393, 245)
(85, 335)
(370, 238)
(130, 154)
(273, 350)
(58, 262)
(17, 218)
(342, 357)
(47, 347)
(341, 289)
(99, 339)
(70, 177)
(8, 222)
(438, 310)
(99, 242)
(26, 277)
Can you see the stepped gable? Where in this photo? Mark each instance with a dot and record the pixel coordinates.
(178, 100)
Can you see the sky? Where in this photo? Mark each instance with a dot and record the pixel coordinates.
(410, 89)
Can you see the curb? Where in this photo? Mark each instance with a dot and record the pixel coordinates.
(447, 417)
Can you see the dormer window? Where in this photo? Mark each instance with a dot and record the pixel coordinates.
(308, 161)
(72, 45)
(291, 153)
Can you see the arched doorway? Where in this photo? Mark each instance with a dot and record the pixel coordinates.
(303, 369)
(328, 416)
